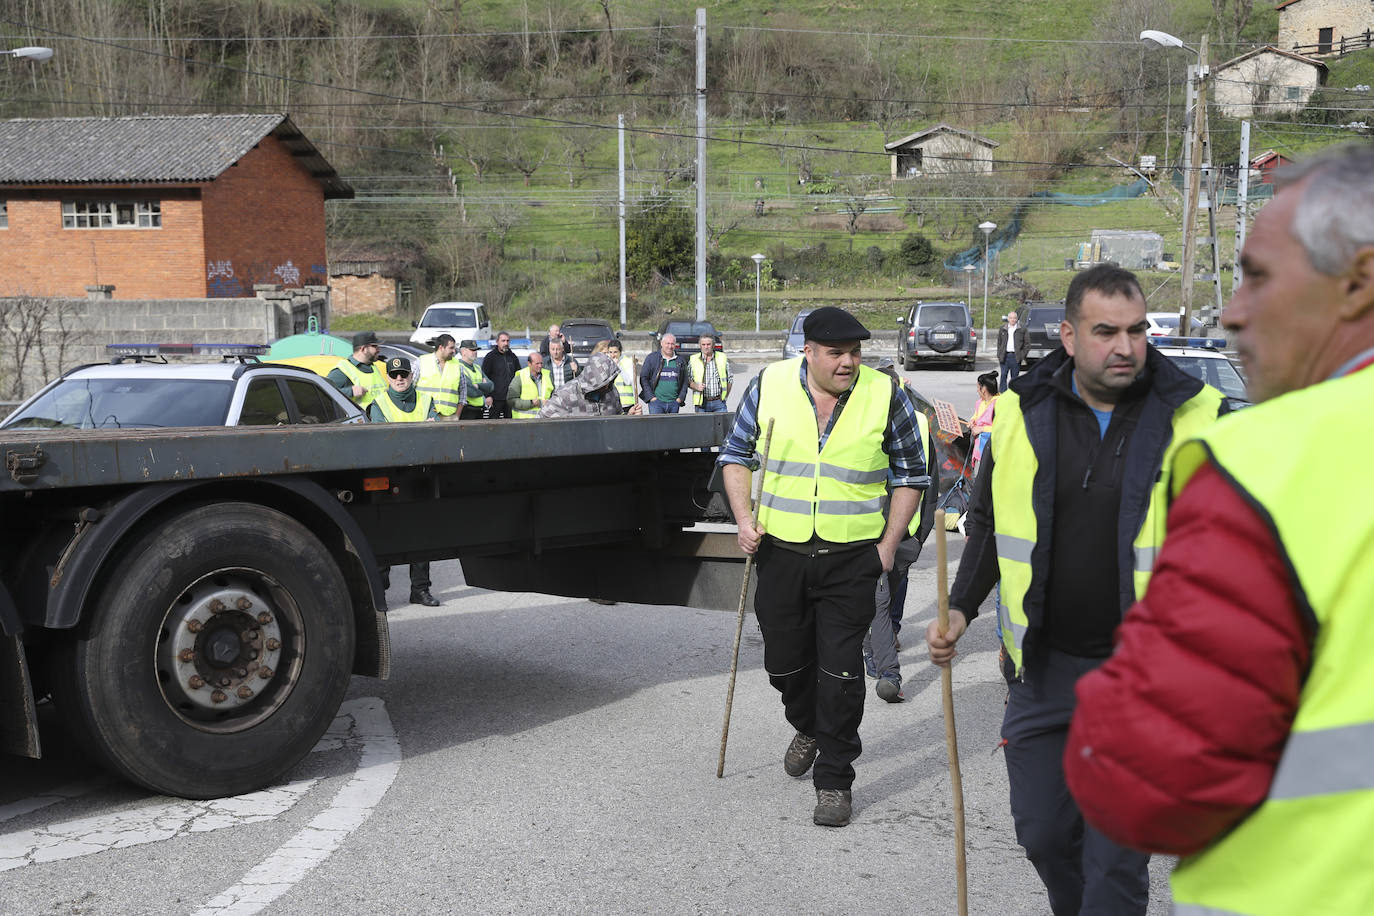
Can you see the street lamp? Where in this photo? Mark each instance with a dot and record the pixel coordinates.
(1192, 156)
(968, 300)
(987, 226)
(758, 260)
(33, 53)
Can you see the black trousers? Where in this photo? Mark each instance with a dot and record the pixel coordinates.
(419, 576)
(1083, 871)
(470, 413)
(500, 410)
(1011, 368)
(813, 612)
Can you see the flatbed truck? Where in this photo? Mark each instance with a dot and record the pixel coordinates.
(193, 602)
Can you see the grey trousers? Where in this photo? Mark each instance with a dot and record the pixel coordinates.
(880, 639)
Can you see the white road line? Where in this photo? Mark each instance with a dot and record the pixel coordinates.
(150, 823)
(293, 860)
(60, 794)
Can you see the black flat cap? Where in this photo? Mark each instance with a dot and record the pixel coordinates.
(833, 325)
(363, 338)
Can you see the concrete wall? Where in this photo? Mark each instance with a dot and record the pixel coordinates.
(1301, 22)
(44, 337)
(1261, 85)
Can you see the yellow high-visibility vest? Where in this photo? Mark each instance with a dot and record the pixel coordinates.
(1302, 852)
(440, 383)
(475, 396)
(394, 414)
(837, 492)
(696, 368)
(1018, 529)
(373, 382)
(625, 382)
(529, 391)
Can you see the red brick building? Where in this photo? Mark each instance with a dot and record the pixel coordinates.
(161, 207)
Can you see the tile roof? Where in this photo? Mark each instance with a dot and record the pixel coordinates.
(922, 134)
(147, 149)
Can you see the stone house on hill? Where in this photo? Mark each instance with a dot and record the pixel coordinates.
(164, 207)
(1316, 27)
(372, 278)
(940, 149)
(1266, 81)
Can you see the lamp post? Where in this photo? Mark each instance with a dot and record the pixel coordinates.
(987, 226)
(758, 260)
(31, 53)
(968, 299)
(1192, 163)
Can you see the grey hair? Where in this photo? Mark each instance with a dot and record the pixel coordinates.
(1334, 218)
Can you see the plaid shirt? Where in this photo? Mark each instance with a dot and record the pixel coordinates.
(901, 440)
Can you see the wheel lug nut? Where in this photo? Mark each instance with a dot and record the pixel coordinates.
(250, 635)
(195, 626)
(245, 692)
(187, 655)
(224, 682)
(216, 606)
(264, 618)
(273, 645)
(195, 682)
(241, 672)
(218, 697)
(264, 673)
(253, 655)
(243, 604)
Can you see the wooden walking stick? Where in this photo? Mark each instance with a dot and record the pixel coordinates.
(951, 740)
(743, 593)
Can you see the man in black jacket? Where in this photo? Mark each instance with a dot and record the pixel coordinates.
(1068, 510)
(1011, 350)
(501, 366)
(663, 377)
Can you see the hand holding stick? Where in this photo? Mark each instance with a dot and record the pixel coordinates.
(947, 689)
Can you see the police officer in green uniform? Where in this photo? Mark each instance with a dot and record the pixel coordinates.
(826, 530)
(474, 390)
(355, 376)
(403, 403)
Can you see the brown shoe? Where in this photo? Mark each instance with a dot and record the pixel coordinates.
(833, 807)
(801, 753)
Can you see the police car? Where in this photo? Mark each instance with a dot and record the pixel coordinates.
(1207, 363)
(134, 392)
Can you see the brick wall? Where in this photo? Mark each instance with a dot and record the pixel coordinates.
(40, 258)
(372, 294)
(264, 223)
(1299, 22)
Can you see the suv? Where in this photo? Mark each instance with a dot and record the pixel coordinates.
(150, 395)
(1041, 321)
(464, 320)
(687, 332)
(934, 331)
(582, 334)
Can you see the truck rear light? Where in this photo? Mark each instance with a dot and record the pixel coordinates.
(376, 484)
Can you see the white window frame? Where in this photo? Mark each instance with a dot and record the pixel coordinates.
(4, 214)
(111, 214)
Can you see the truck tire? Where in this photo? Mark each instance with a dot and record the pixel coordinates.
(220, 650)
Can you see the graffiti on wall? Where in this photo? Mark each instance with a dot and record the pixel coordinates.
(227, 279)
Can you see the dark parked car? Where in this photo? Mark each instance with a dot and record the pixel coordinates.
(687, 332)
(1041, 321)
(583, 334)
(792, 346)
(935, 332)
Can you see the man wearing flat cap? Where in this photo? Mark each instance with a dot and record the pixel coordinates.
(403, 402)
(474, 389)
(842, 434)
(354, 376)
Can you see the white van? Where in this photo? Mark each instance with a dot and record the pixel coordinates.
(464, 320)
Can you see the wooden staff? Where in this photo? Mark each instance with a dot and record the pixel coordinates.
(743, 594)
(951, 740)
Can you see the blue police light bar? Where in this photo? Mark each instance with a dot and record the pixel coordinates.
(1201, 343)
(186, 349)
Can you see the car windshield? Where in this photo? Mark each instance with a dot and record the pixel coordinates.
(797, 325)
(1170, 321)
(587, 331)
(124, 403)
(449, 318)
(1037, 317)
(1215, 371)
(928, 316)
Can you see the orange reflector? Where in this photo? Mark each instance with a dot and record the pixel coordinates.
(373, 484)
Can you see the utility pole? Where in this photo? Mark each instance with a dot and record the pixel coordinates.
(620, 137)
(1242, 204)
(1212, 313)
(701, 163)
(1192, 163)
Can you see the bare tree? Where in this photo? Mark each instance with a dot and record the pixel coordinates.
(609, 54)
(1232, 17)
(524, 158)
(37, 334)
(503, 216)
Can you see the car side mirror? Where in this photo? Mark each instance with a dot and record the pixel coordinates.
(415, 324)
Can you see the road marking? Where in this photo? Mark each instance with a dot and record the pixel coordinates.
(279, 872)
(145, 824)
(38, 802)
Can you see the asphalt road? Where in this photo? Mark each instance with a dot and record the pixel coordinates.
(544, 755)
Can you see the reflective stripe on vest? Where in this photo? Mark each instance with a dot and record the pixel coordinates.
(837, 493)
(696, 370)
(475, 396)
(529, 392)
(394, 414)
(1018, 529)
(1302, 850)
(441, 384)
(373, 382)
(625, 381)
(923, 430)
